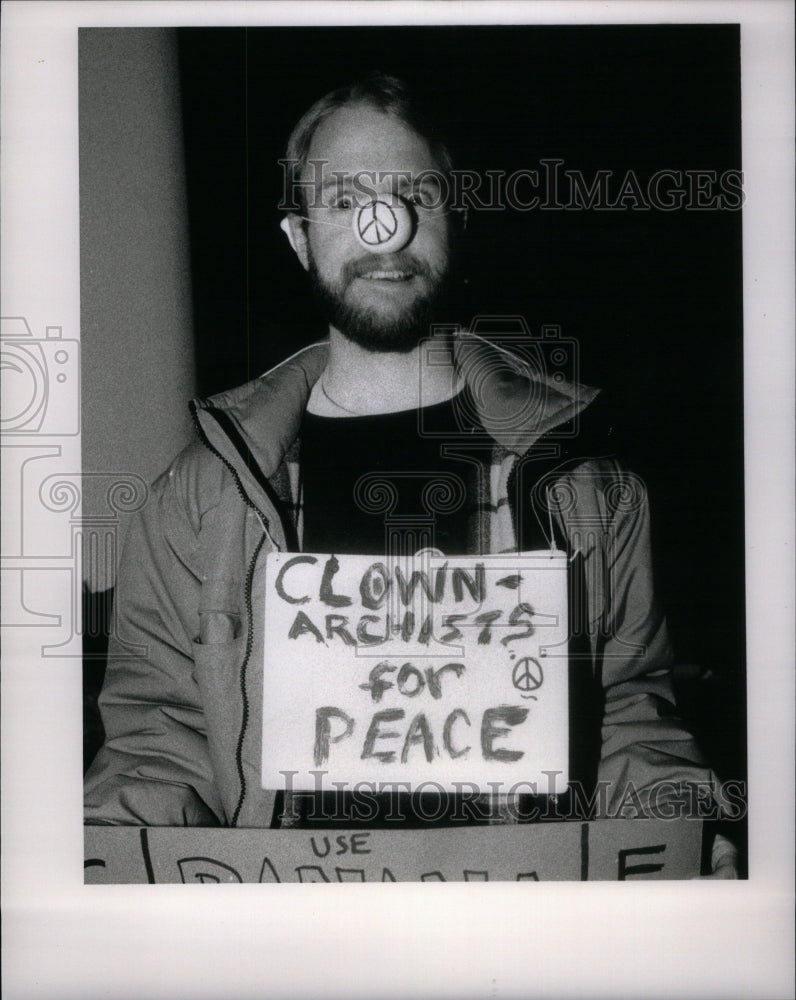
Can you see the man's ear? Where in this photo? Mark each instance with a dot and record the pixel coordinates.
(297, 237)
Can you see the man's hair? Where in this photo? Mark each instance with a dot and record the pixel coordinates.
(378, 90)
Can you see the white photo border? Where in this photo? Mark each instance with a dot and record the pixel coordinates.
(721, 939)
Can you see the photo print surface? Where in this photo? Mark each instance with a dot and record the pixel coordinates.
(587, 201)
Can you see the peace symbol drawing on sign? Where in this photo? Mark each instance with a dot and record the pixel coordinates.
(527, 676)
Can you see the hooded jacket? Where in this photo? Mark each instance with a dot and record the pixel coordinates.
(182, 699)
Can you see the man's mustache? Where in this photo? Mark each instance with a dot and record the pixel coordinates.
(404, 262)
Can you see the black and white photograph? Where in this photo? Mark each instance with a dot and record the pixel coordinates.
(389, 495)
(525, 338)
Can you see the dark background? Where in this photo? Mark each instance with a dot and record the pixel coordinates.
(652, 298)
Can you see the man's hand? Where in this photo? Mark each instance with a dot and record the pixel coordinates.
(723, 859)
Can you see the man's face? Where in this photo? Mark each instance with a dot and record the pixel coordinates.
(383, 302)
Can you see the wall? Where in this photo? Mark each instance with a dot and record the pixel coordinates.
(136, 325)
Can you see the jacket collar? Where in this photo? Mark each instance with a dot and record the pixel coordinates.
(514, 401)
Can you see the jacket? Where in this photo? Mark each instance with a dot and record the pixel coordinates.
(181, 702)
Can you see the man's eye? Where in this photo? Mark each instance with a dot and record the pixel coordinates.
(344, 203)
(423, 198)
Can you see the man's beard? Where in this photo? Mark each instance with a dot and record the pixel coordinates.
(368, 326)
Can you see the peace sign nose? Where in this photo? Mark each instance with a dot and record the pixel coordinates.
(384, 225)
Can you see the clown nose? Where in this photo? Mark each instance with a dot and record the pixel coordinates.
(383, 226)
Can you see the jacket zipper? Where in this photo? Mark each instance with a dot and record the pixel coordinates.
(243, 670)
(249, 606)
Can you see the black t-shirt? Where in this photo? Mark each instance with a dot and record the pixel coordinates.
(369, 482)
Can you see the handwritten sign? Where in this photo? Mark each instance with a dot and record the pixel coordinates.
(606, 850)
(415, 671)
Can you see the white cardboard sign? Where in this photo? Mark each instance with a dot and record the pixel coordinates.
(416, 670)
(620, 849)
